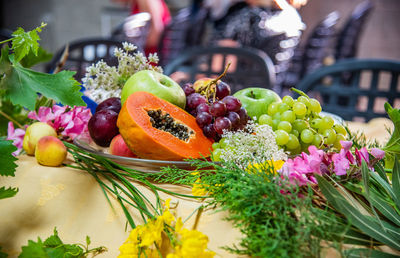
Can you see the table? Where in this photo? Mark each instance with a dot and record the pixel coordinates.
(72, 201)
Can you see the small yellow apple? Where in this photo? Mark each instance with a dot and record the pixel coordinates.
(201, 83)
(33, 134)
(50, 151)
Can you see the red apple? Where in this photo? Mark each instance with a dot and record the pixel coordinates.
(118, 147)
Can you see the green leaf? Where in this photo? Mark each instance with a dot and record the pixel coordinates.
(2, 254)
(396, 181)
(25, 42)
(7, 160)
(54, 240)
(384, 185)
(365, 176)
(386, 209)
(22, 85)
(393, 145)
(31, 59)
(367, 224)
(365, 252)
(33, 249)
(381, 171)
(7, 193)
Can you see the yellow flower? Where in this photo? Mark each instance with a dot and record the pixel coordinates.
(193, 244)
(144, 239)
(269, 165)
(198, 189)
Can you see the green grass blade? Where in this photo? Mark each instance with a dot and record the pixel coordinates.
(367, 224)
(126, 212)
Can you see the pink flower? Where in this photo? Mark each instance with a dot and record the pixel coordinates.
(341, 163)
(314, 160)
(377, 153)
(66, 121)
(17, 136)
(361, 155)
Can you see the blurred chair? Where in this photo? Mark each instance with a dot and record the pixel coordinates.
(83, 53)
(312, 55)
(173, 39)
(348, 38)
(134, 29)
(364, 84)
(249, 67)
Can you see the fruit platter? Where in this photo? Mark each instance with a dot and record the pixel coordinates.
(272, 164)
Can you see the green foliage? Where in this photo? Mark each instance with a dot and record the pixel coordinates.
(3, 255)
(11, 112)
(21, 85)
(392, 147)
(31, 59)
(276, 219)
(54, 247)
(25, 42)
(375, 210)
(7, 167)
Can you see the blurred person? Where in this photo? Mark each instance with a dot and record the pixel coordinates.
(160, 17)
(273, 26)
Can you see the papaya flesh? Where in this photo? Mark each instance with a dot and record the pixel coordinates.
(156, 129)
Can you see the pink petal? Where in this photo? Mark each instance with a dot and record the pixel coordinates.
(341, 164)
(377, 153)
(346, 144)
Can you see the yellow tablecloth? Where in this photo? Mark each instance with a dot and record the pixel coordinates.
(72, 201)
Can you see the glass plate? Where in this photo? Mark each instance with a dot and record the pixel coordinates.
(144, 165)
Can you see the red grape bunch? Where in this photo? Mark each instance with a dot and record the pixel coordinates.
(215, 109)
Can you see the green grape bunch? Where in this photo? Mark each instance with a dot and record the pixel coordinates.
(298, 123)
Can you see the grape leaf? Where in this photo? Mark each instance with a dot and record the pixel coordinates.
(7, 193)
(33, 249)
(53, 247)
(7, 166)
(21, 85)
(25, 42)
(7, 161)
(31, 59)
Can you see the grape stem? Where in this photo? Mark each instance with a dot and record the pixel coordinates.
(208, 87)
(252, 94)
(301, 93)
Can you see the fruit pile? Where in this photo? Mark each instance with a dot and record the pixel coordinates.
(215, 109)
(160, 119)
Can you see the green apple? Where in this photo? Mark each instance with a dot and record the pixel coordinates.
(256, 100)
(156, 83)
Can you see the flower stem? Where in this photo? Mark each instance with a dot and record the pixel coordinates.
(11, 119)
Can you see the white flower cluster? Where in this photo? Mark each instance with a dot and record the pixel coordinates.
(256, 143)
(103, 81)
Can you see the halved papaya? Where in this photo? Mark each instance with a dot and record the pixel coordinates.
(156, 129)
